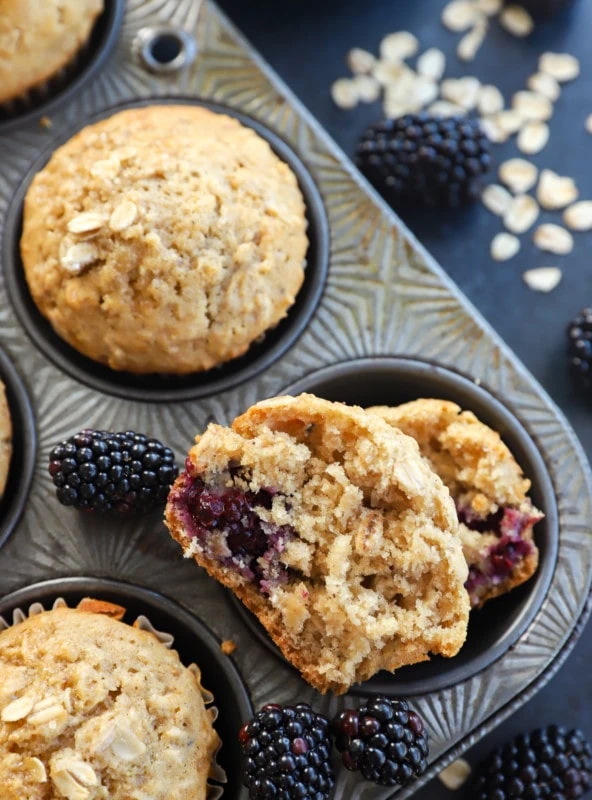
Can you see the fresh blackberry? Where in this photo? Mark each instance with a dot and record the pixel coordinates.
(287, 753)
(126, 473)
(422, 160)
(384, 740)
(544, 8)
(547, 763)
(579, 334)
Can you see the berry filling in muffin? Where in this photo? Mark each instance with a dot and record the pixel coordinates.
(332, 529)
(496, 515)
(226, 523)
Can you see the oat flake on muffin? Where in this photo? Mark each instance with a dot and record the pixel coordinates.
(164, 239)
(38, 38)
(92, 708)
(332, 529)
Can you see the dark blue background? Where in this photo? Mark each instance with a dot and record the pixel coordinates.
(306, 42)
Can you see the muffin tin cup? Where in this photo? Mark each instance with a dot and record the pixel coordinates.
(501, 622)
(24, 448)
(191, 639)
(171, 388)
(48, 96)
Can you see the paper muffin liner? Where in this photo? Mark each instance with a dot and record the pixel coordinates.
(143, 623)
(46, 90)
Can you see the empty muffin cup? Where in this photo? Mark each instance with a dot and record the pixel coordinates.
(493, 629)
(145, 383)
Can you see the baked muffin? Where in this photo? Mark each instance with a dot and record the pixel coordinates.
(92, 708)
(331, 528)
(490, 492)
(164, 239)
(5, 439)
(38, 39)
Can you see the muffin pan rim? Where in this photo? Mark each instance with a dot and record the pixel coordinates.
(24, 447)
(537, 586)
(112, 17)
(235, 372)
(88, 585)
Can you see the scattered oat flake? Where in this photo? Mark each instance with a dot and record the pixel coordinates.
(496, 199)
(490, 7)
(389, 72)
(399, 46)
(228, 647)
(504, 246)
(367, 87)
(493, 130)
(460, 15)
(425, 90)
(345, 93)
(510, 121)
(522, 214)
(532, 106)
(518, 174)
(361, 62)
(517, 21)
(533, 137)
(463, 92)
(553, 239)
(555, 191)
(542, 279)
(456, 774)
(432, 64)
(490, 100)
(589, 123)
(579, 216)
(469, 45)
(545, 85)
(442, 108)
(561, 66)
(46, 122)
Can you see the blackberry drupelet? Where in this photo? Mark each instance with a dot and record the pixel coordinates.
(100, 471)
(384, 740)
(287, 751)
(579, 334)
(544, 8)
(421, 160)
(547, 763)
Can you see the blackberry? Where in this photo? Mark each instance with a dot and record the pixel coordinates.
(126, 473)
(287, 751)
(579, 334)
(544, 8)
(549, 762)
(427, 161)
(384, 740)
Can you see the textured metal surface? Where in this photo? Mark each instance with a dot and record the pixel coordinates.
(384, 295)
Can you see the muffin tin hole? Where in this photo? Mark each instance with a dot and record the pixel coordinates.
(166, 49)
(171, 388)
(501, 622)
(24, 449)
(62, 87)
(193, 641)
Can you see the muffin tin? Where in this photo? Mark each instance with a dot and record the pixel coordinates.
(383, 295)
(192, 640)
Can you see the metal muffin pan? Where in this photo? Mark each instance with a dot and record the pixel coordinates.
(171, 388)
(194, 642)
(58, 90)
(383, 295)
(496, 627)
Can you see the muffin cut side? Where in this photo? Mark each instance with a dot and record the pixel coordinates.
(496, 515)
(333, 531)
